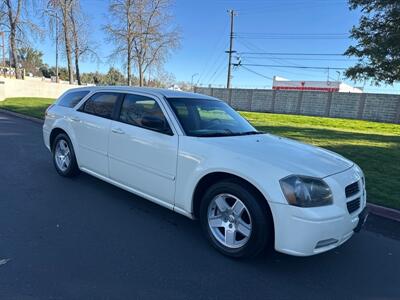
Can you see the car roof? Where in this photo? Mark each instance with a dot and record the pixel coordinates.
(154, 91)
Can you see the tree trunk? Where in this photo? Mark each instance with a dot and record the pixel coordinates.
(78, 74)
(141, 75)
(129, 68)
(14, 53)
(68, 48)
(76, 48)
(69, 59)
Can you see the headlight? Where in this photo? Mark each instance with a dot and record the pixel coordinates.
(306, 191)
(361, 174)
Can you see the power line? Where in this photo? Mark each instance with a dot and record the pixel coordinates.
(298, 33)
(285, 6)
(254, 72)
(214, 57)
(292, 54)
(217, 71)
(291, 37)
(264, 76)
(293, 67)
(298, 58)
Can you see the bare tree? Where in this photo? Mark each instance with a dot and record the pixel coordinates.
(121, 31)
(62, 10)
(15, 19)
(75, 36)
(142, 33)
(82, 45)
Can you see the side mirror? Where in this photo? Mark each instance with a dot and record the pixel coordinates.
(155, 123)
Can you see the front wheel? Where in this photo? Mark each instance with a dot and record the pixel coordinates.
(235, 220)
(64, 156)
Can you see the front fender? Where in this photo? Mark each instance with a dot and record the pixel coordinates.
(193, 165)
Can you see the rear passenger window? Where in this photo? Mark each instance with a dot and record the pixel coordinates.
(71, 99)
(101, 104)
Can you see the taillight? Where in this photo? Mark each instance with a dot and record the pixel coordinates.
(47, 110)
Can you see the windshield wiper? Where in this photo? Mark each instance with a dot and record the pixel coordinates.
(250, 133)
(228, 133)
(215, 134)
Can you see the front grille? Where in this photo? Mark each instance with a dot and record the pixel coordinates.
(352, 189)
(353, 205)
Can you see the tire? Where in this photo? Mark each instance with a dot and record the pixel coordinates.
(63, 151)
(251, 224)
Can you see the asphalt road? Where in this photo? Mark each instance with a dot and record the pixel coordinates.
(85, 239)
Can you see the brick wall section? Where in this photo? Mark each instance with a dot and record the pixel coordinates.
(374, 107)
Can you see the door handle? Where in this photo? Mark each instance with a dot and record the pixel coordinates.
(76, 119)
(117, 130)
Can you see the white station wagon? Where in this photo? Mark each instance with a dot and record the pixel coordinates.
(197, 156)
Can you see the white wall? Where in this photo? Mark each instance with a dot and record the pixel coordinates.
(31, 87)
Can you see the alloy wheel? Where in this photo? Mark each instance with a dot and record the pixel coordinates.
(62, 155)
(229, 221)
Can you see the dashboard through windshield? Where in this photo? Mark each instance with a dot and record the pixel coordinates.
(209, 118)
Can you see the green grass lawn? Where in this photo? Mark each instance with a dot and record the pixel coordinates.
(375, 147)
(34, 107)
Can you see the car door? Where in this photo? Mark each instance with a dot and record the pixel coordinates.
(143, 148)
(91, 124)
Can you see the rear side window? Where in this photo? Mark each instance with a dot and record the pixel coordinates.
(100, 104)
(71, 99)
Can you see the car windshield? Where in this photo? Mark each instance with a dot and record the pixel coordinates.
(209, 118)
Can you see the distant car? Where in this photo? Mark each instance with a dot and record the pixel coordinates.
(197, 156)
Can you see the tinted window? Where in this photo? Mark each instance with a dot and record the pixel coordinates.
(143, 112)
(71, 99)
(203, 117)
(101, 104)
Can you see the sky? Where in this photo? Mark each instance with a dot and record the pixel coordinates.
(274, 26)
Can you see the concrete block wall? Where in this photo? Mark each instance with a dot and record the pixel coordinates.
(262, 100)
(373, 107)
(314, 103)
(31, 87)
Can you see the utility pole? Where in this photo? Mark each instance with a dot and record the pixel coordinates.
(191, 82)
(3, 49)
(327, 80)
(56, 47)
(228, 81)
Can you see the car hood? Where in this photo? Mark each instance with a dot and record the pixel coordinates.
(286, 154)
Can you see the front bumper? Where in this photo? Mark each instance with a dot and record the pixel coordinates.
(309, 231)
(362, 218)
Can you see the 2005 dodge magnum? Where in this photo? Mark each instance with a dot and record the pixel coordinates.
(197, 156)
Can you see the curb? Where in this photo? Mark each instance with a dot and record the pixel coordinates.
(385, 212)
(22, 116)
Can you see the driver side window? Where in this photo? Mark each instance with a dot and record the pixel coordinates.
(144, 112)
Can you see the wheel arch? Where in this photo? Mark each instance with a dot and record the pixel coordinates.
(54, 133)
(207, 180)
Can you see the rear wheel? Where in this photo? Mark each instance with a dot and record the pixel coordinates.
(64, 156)
(235, 220)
